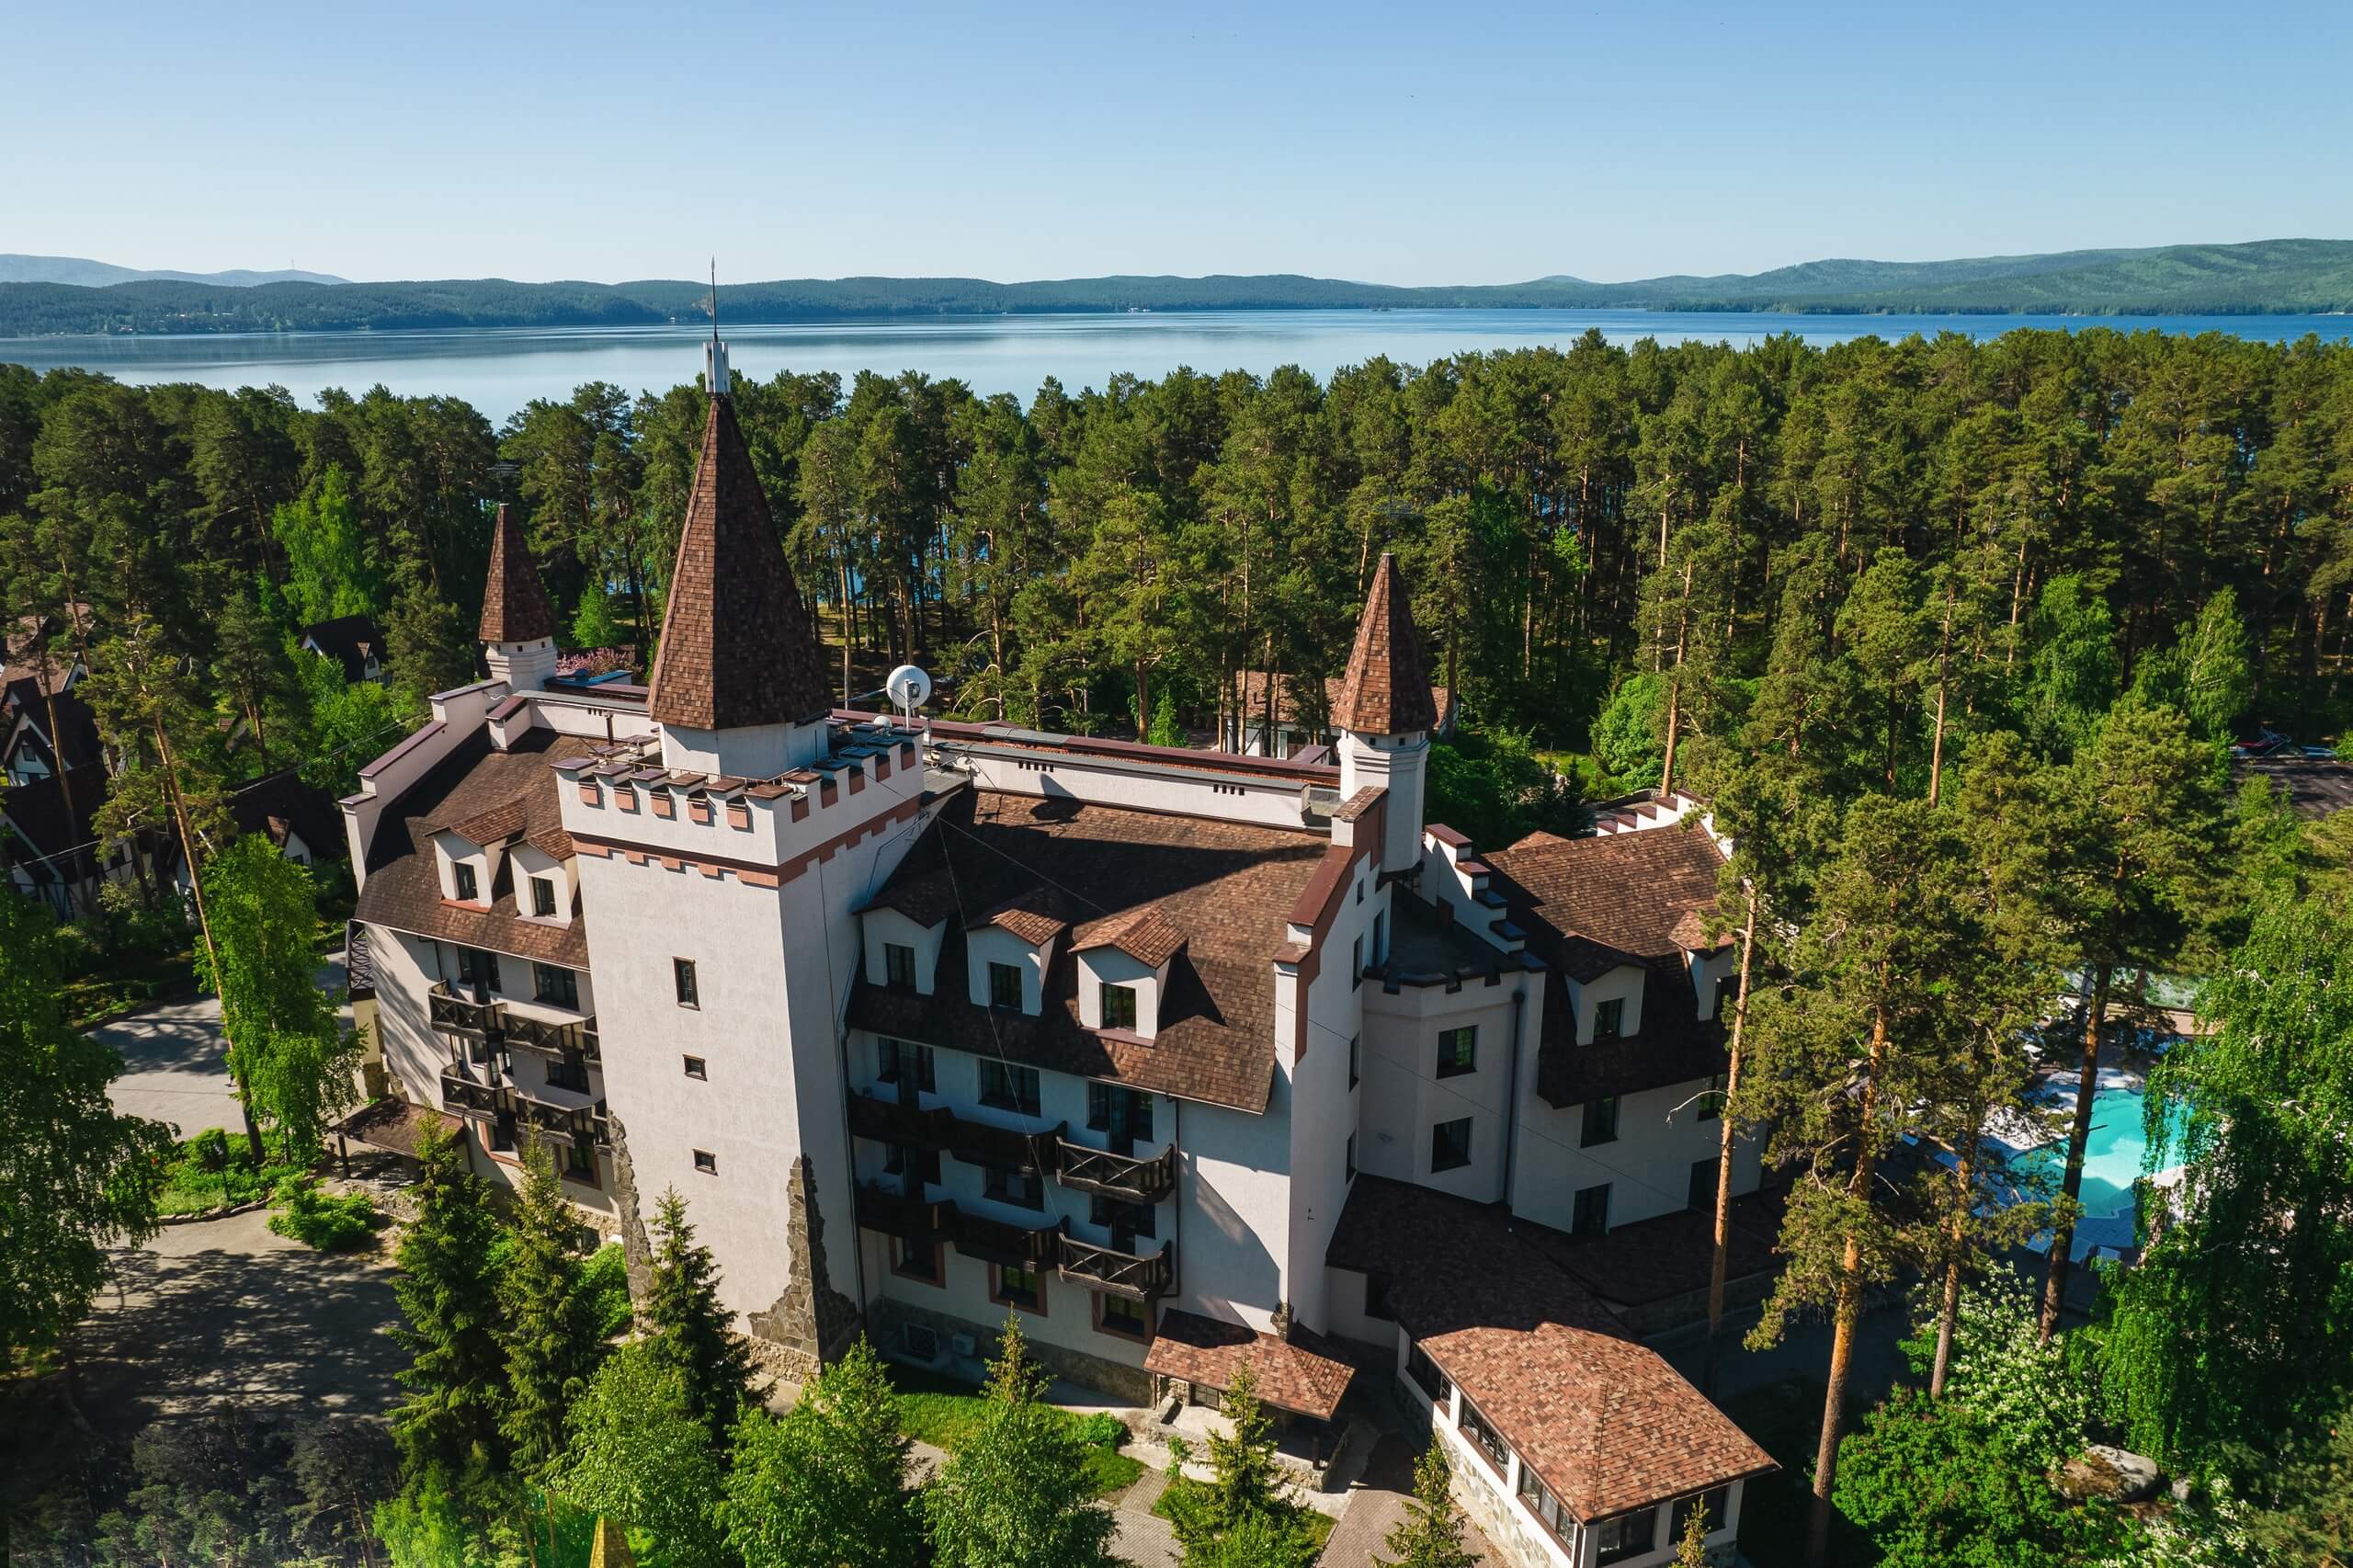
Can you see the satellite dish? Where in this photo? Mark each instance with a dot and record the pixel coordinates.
(910, 688)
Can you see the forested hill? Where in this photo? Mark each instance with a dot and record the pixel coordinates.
(2270, 276)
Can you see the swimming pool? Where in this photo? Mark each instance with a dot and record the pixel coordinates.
(2113, 1155)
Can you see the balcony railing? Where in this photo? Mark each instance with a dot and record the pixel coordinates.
(909, 1218)
(453, 1013)
(892, 1122)
(993, 1240)
(545, 1037)
(1122, 1274)
(465, 1098)
(1127, 1177)
(575, 1126)
(974, 1143)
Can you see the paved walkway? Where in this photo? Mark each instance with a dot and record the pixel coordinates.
(1376, 1503)
(175, 1065)
(224, 1309)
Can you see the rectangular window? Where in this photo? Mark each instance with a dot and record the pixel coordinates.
(478, 967)
(695, 1068)
(898, 965)
(906, 1160)
(1716, 1502)
(1351, 1167)
(1542, 1504)
(1004, 987)
(904, 1063)
(1023, 1189)
(1380, 937)
(1009, 1087)
(1600, 1122)
(555, 984)
(1376, 1298)
(1484, 1438)
(1116, 1315)
(1119, 1111)
(1592, 1213)
(1451, 1146)
(568, 1073)
(469, 891)
(1711, 1103)
(1427, 1377)
(1018, 1288)
(1628, 1535)
(543, 897)
(706, 1162)
(580, 1162)
(1457, 1051)
(1609, 1018)
(917, 1260)
(682, 975)
(1701, 1199)
(1356, 1060)
(1134, 1219)
(1355, 963)
(1119, 1006)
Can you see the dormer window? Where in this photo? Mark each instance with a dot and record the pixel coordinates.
(1609, 1018)
(542, 895)
(1004, 987)
(899, 966)
(468, 886)
(1120, 1008)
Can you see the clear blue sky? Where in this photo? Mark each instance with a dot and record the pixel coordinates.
(1436, 143)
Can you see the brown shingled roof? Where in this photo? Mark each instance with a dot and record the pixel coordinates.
(1303, 1374)
(1037, 915)
(496, 825)
(1603, 1420)
(737, 649)
(1145, 934)
(1227, 886)
(515, 609)
(1387, 689)
(1627, 891)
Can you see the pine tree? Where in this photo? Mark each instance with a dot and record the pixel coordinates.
(551, 1344)
(447, 1291)
(424, 641)
(1430, 1535)
(687, 1328)
(1016, 1495)
(826, 1483)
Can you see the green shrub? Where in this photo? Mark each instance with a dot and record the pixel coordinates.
(208, 1172)
(604, 1281)
(330, 1225)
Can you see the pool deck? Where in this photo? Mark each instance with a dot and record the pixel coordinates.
(2121, 1072)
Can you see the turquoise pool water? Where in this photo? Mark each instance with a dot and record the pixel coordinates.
(2111, 1158)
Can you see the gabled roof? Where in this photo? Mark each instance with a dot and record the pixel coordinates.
(737, 650)
(1387, 689)
(1037, 915)
(496, 825)
(350, 640)
(281, 803)
(1631, 892)
(1304, 1373)
(515, 609)
(1145, 934)
(1287, 688)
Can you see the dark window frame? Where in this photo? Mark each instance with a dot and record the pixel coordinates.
(1002, 1183)
(898, 965)
(1142, 1218)
(1718, 1500)
(686, 983)
(999, 985)
(1711, 1103)
(892, 1056)
(706, 1163)
(469, 885)
(555, 985)
(1127, 1006)
(1032, 1301)
(1427, 1376)
(1446, 1153)
(1610, 1019)
(698, 1069)
(543, 905)
(1105, 1304)
(1356, 1060)
(931, 1271)
(1018, 1089)
(568, 1073)
(1488, 1443)
(1453, 1061)
(1627, 1547)
(1350, 1166)
(1583, 1221)
(1600, 1122)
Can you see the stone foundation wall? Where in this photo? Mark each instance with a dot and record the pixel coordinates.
(812, 1323)
(1133, 1385)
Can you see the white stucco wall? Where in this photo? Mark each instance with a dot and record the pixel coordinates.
(1404, 1099)
(1623, 984)
(1661, 1136)
(884, 927)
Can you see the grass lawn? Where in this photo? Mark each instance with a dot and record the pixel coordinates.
(945, 1412)
(193, 1187)
(1317, 1527)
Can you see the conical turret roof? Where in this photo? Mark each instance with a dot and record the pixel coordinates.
(737, 649)
(1387, 689)
(515, 609)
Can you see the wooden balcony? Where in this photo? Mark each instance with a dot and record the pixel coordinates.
(574, 1126)
(993, 1240)
(463, 1097)
(1128, 1177)
(1122, 1274)
(453, 1013)
(909, 1218)
(977, 1143)
(544, 1037)
(890, 1121)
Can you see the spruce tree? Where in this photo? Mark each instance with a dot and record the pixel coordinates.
(687, 1328)
(551, 1344)
(826, 1483)
(1017, 1496)
(447, 1291)
(1430, 1535)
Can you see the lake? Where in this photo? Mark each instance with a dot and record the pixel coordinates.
(499, 370)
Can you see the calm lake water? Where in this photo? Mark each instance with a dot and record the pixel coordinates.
(498, 370)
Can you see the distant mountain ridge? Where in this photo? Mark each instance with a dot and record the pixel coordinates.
(2261, 278)
(82, 272)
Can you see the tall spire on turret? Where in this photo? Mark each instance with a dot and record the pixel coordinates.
(738, 653)
(518, 628)
(1387, 690)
